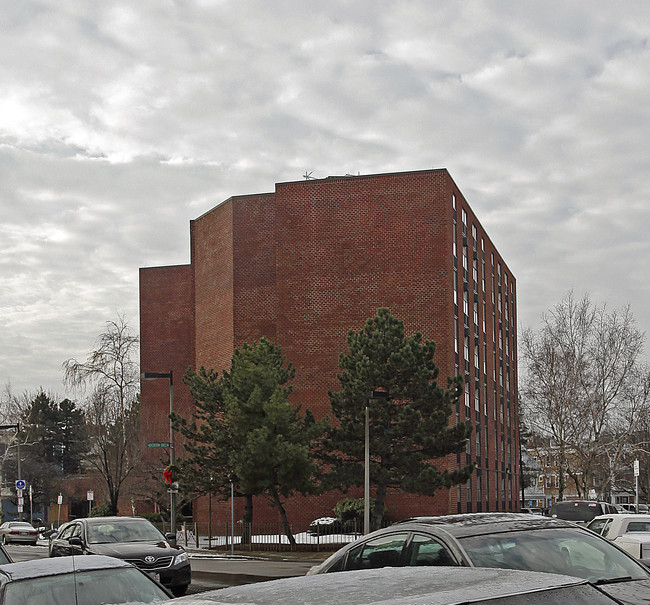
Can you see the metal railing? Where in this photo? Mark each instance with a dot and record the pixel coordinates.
(260, 537)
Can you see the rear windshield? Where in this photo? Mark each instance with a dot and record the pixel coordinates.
(576, 511)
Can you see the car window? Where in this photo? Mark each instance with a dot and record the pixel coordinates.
(567, 551)
(576, 511)
(598, 525)
(607, 527)
(425, 550)
(385, 551)
(638, 526)
(53, 590)
(67, 532)
(117, 586)
(129, 531)
(96, 587)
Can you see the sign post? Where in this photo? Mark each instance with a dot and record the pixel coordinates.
(59, 501)
(636, 485)
(90, 496)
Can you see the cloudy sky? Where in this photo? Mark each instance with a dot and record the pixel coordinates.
(122, 121)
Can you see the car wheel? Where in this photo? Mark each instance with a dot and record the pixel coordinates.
(179, 591)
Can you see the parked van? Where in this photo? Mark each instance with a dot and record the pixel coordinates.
(580, 511)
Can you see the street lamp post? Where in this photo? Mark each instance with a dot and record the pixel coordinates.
(172, 459)
(373, 394)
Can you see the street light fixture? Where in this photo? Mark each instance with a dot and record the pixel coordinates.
(172, 460)
(372, 394)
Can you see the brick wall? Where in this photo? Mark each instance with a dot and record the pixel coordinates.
(307, 263)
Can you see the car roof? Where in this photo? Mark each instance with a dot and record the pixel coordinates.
(397, 586)
(474, 524)
(623, 516)
(114, 519)
(60, 565)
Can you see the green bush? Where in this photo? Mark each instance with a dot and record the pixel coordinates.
(101, 510)
(349, 512)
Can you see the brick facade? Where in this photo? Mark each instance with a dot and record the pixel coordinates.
(305, 264)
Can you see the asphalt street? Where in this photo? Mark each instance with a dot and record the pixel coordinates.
(211, 571)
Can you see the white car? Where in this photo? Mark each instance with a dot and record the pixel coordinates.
(630, 531)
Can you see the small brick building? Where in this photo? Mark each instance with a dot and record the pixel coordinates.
(315, 258)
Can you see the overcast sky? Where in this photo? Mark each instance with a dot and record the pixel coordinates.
(122, 121)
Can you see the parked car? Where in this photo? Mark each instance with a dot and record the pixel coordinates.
(133, 539)
(449, 585)
(629, 531)
(501, 540)
(580, 511)
(77, 581)
(18, 532)
(632, 508)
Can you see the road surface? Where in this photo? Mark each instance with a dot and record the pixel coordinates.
(211, 571)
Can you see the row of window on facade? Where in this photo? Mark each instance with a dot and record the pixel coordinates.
(503, 487)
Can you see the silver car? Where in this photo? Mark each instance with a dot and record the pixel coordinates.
(18, 532)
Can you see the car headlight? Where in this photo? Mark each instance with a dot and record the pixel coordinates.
(180, 558)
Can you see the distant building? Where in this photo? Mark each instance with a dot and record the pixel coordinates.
(303, 265)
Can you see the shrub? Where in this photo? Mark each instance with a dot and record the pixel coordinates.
(101, 510)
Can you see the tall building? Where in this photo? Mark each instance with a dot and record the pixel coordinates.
(315, 258)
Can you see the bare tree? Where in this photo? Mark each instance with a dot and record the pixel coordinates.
(110, 375)
(581, 372)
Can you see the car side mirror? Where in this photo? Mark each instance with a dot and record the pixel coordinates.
(171, 538)
(76, 541)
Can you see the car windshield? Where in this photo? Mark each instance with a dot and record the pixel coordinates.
(130, 531)
(566, 551)
(576, 511)
(96, 587)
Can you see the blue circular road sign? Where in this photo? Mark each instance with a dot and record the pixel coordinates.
(20, 484)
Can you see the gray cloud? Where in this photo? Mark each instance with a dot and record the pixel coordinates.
(121, 122)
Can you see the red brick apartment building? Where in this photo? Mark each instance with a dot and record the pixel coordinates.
(315, 258)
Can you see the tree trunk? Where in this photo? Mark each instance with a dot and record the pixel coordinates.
(246, 536)
(283, 514)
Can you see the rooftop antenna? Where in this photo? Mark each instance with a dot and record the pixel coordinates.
(308, 176)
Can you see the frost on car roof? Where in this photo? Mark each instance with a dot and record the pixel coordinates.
(389, 586)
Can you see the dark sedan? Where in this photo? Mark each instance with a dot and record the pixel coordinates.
(133, 539)
(499, 540)
(77, 581)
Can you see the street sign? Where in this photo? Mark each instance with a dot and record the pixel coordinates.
(636, 468)
(21, 501)
(20, 484)
(20, 508)
(159, 444)
(90, 495)
(59, 499)
(19, 493)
